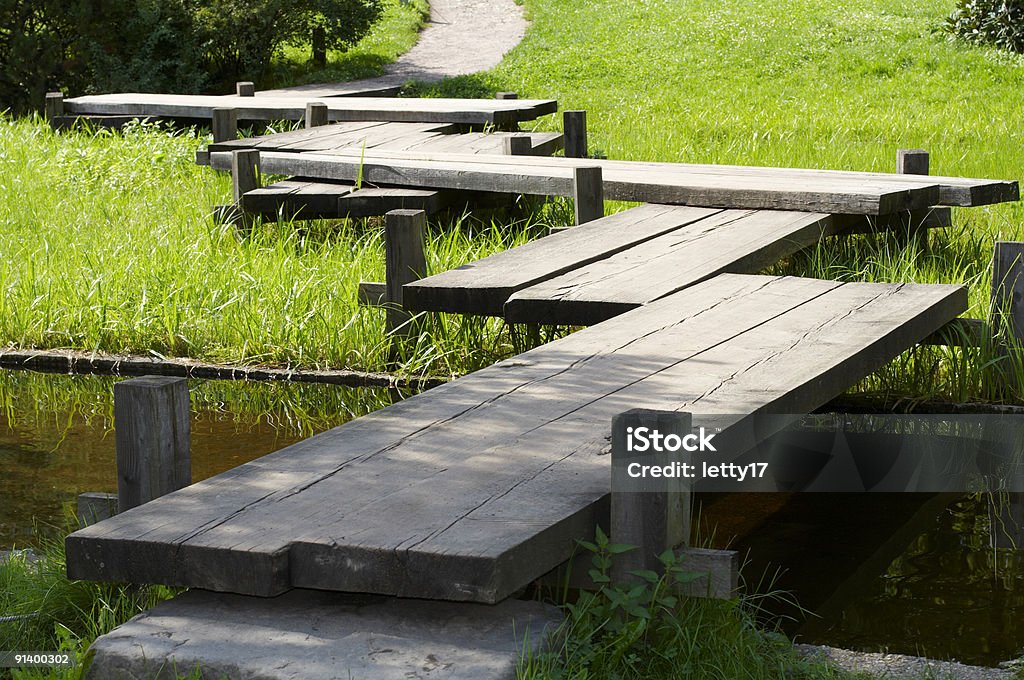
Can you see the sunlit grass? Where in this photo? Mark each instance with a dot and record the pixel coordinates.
(109, 245)
(394, 33)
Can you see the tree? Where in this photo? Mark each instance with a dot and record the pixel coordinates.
(242, 36)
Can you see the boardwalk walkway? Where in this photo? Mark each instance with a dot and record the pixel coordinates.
(473, 489)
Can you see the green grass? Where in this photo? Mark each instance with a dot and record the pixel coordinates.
(394, 33)
(109, 245)
(649, 630)
(61, 615)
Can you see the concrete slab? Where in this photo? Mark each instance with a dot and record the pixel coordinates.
(314, 634)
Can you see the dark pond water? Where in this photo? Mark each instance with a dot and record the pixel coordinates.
(57, 437)
(904, 572)
(930, 575)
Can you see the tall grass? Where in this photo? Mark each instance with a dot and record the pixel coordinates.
(109, 245)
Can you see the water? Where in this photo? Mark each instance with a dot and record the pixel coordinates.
(57, 438)
(902, 572)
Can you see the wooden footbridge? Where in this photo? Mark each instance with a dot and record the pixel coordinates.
(472, 490)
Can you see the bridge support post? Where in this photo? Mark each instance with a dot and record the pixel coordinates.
(405, 262)
(588, 193)
(1008, 288)
(574, 127)
(652, 514)
(152, 432)
(245, 88)
(317, 114)
(225, 124)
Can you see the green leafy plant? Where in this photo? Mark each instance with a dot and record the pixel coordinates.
(994, 22)
(650, 628)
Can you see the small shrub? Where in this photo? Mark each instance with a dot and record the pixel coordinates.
(993, 22)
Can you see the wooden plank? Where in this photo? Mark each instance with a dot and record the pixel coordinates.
(266, 108)
(587, 194)
(307, 200)
(482, 287)
(471, 490)
(955, 191)
(735, 241)
(293, 199)
(326, 137)
(622, 181)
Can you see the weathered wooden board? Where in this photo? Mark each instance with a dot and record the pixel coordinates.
(359, 136)
(307, 200)
(473, 489)
(266, 108)
(622, 181)
(737, 241)
(482, 287)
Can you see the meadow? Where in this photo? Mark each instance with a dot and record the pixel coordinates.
(109, 244)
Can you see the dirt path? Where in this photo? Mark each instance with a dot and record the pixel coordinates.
(463, 36)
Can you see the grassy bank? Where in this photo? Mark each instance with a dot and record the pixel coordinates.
(109, 243)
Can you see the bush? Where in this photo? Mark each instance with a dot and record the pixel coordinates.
(243, 35)
(84, 46)
(994, 22)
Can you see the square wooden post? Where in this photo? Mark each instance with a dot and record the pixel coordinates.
(1008, 288)
(317, 114)
(405, 261)
(152, 431)
(588, 193)
(650, 513)
(518, 145)
(574, 127)
(225, 124)
(245, 88)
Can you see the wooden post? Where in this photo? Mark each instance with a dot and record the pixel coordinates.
(574, 127)
(1008, 288)
(651, 513)
(405, 262)
(151, 424)
(588, 193)
(54, 105)
(245, 88)
(518, 145)
(225, 124)
(316, 114)
(506, 95)
(245, 172)
(912, 162)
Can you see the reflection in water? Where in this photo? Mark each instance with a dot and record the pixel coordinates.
(57, 438)
(905, 573)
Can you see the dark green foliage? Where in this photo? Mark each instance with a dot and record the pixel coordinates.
(83, 46)
(994, 22)
(243, 35)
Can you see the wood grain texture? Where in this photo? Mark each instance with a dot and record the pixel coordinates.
(482, 287)
(267, 108)
(152, 434)
(736, 241)
(245, 173)
(471, 490)
(404, 262)
(587, 194)
(224, 125)
(623, 180)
